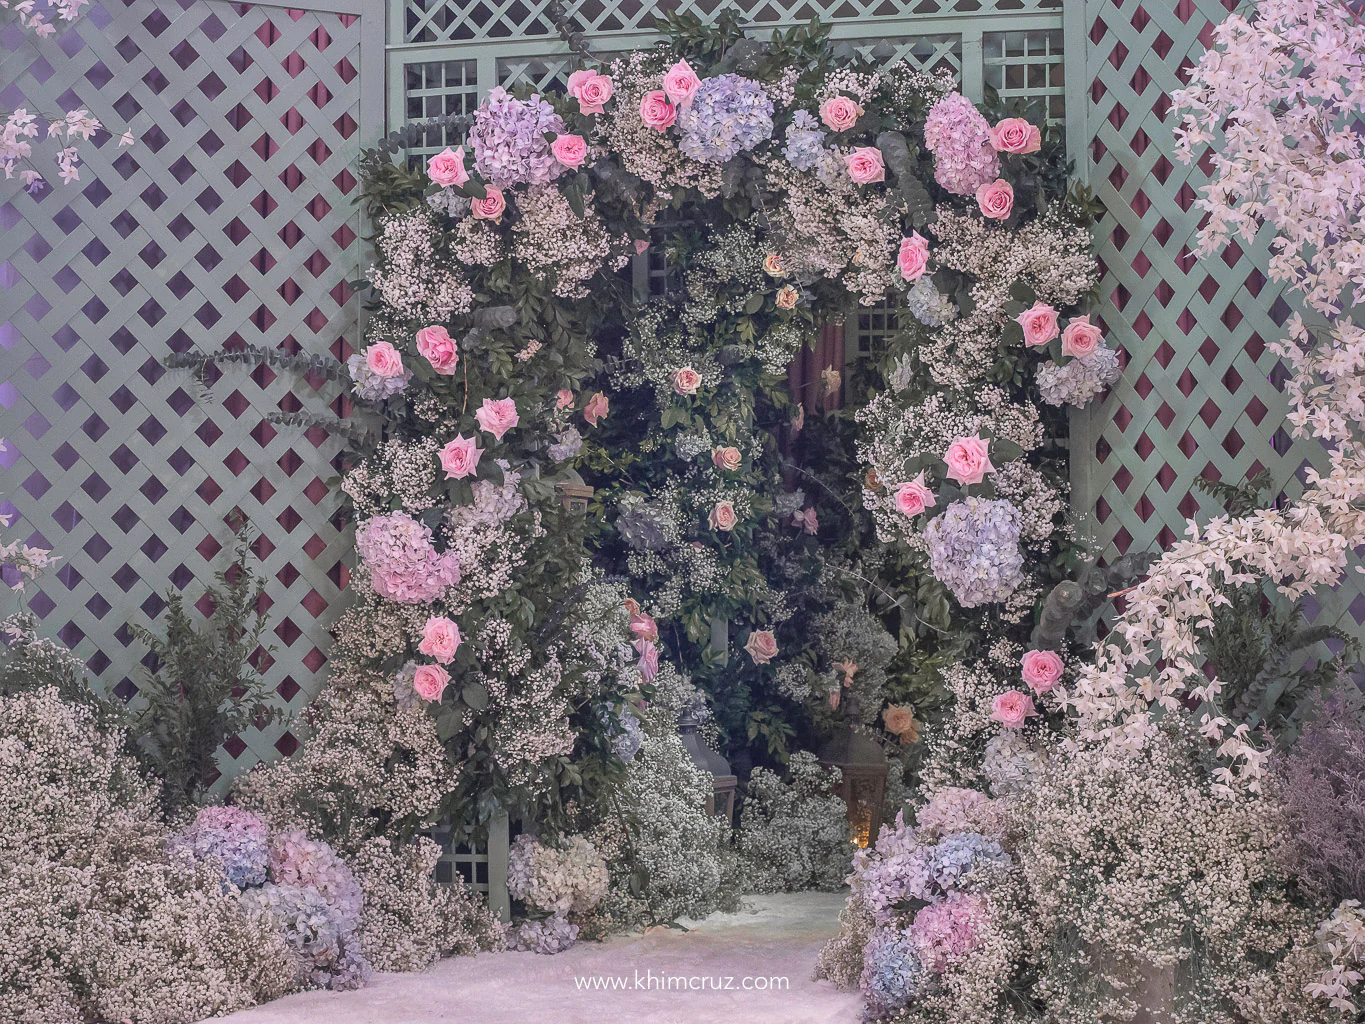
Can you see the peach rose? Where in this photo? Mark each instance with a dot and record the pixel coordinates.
(899, 720)
(762, 646)
(727, 458)
(786, 297)
(436, 346)
(686, 381)
(656, 111)
(446, 168)
(1016, 135)
(563, 398)
(681, 83)
(383, 360)
(1081, 337)
(772, 265)
(569, 150)
(968, 460)
(430, 681)
(840, 113)
(1012, 708)
(1042, 670)
(460, 457)
(591, 90)
(913, 497)
(490, 207)
(1039, 324)
(649, 659)
(913, 257)
(596, 409)
(865, 165)
(996, 199)
(440, 640)
(723, 516)
(497, 417)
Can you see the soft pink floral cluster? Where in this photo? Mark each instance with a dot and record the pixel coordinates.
(403, 564)
(960, 139)
(946, 931)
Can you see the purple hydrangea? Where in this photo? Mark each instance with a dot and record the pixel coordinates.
(805, 142)
(297, 860)
(1080, 379)
(509, 140)
(328, 952)
(974, 550)
(237, 839)
(900, 876)
(960, 139)
(956, 858)
(371, 386)
(728, 115)
(552, 935)
(403, 564)
(946, 931)
(892, 972)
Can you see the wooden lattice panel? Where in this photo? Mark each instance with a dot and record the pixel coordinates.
(1199, 395)
(229, 223)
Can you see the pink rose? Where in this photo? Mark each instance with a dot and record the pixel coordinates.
(996, 199)
(490, 207)
(1042, 670)
(722, 517)
(595, 409)
(913, 257)
(563, 398)
(430, 681)
(643, 626)
(865, 165)
(786, 297)
(591, 90)
(649, 659)
(436, 346)
(1039, 324)
(807, 520)
(681, 83)
(968, 460)
(569, 150)
(383, 360)
(641, 245)
(762, 646)
(447, 168)
(440, 640)
(1011, 709)
(656, 111)
(1081, 337)
(914, 497)
(460, 457)
(631, 605)
(497, 417)
(840, 113)
(727, 458)
(686, 381)
(1015, 135)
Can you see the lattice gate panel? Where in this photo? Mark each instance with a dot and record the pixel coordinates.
(1199, 395)
(229, 223)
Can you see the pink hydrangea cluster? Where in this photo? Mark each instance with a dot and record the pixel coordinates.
(960, 139)
(948, 930)
(297, 860)
(234, 837)
(403, 564)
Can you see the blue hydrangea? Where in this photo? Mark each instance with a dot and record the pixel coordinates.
(956, 858)
(509, 140)
(235, 839)
(892, 972)
(928, 305)
(805, 142)
(369, 385)
(728, 115)
(552, 935)
(1080, 379)
(328, 953)
(974, 550)
(625, 740)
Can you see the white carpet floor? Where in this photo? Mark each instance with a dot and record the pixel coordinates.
(664, 976)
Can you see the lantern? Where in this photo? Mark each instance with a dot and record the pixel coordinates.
(864, 766)
(574, 497)
(723, 782)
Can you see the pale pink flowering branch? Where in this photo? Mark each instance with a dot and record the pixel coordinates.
(29, 562)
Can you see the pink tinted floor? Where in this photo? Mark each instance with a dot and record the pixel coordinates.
(774, 937)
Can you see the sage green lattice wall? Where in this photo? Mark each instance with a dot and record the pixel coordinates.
(1199, 394)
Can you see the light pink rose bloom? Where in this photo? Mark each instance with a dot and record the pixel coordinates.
(383, 360)
(490, 207)
(592, 91)
(913, 257)
(913, 497)
(1081, 337)
(1012, 708)
(460, 457)
(641, 244)
(569, 150)
(723, 516)
(430, 681)
(631, 605)
(840, 113)
(436, 346)
(807, 520)
(1039, 324)
(596, 408)
(563, 398)
(497, 416)
(1016, 135)
(686, 381)
(447, 168)
(968, 460)
(440, 640)
(865, 165)
(649, 659)
(643, 626)
(1042, 670)
(681, 83)
(996, 199)
(656, 111)
(727, 458)
(762, 646)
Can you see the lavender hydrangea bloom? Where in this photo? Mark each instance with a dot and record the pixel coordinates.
(372, 387)
(956, 858)
(625, 742)
(960, 139)
(892, 972)
(237, 839)
(329, 954)
(568, 444)
(552, 935)
(403, 565)
(974, 550)
(901, 876)
(297, 860)
(928, 305)
(1080, 379)
(728, 114)
(509, 140)
(805, 142)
